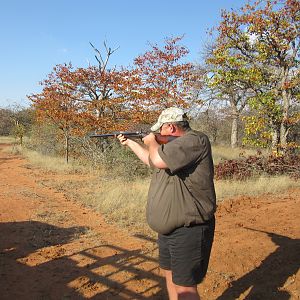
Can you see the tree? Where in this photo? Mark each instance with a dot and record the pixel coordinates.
(15, 116)
(258, 48)
(18, 131)
(164, 78)
(81, 100)
(6, 123)
(100, 89)
(101, 92)
(58, 103)
(230, 83)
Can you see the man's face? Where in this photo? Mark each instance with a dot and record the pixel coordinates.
(165, 129)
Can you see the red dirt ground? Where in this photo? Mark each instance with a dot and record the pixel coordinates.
(54, 248)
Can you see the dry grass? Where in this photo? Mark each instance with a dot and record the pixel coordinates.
(253, 187)
(7, 139)
(53, 164)
(123, 202)
(224, 153)
(120, 202)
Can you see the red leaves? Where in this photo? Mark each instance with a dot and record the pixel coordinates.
(102, 99)
(163, 74)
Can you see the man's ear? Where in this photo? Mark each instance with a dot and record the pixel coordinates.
(172, 128)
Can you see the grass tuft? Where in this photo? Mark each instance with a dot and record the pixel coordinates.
(253, 187)
(221, 153)
(7, 140)
(53, 164)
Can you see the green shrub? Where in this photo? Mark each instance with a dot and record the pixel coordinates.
(44, 138)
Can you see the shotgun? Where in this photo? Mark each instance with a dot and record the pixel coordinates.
(161, 139)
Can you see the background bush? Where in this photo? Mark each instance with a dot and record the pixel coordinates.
(257, 165)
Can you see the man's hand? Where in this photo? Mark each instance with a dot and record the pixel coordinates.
(141, 152)
(150, 140)
(123, 140)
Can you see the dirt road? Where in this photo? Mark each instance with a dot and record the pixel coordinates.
(54, 248)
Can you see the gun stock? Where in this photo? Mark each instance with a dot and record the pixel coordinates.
(164, 139)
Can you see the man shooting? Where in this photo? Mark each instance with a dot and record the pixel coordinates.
(181, 200)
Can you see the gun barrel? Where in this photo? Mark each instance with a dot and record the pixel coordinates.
(101, 135)
(125, 133)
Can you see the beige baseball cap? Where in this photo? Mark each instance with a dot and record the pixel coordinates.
(169, 115)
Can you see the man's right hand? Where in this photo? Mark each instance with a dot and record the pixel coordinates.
(149, 139)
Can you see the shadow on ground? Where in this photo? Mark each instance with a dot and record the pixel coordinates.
(101, 272)
(266, 280)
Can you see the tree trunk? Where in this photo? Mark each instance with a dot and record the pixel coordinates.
(234, 131)
(234, 127)
(284, 129)
(275, 140)
(286, 99)
(67, 147)
(283, 136)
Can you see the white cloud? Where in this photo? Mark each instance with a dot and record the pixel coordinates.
(63, 50)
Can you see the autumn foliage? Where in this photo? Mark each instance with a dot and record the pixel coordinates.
(256, 54)
(101, 99)
(252, 66)
(165, 81)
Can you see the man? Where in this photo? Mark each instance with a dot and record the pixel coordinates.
(181, 200)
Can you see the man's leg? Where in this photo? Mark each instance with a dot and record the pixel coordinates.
(170, 285)
(177, 292)
(187, 293)
(189, 251)
(185, 252)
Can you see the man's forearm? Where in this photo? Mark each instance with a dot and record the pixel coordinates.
(141, 152)
(153, 147)
(155, 157)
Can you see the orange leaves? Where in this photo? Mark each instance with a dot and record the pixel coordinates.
(85, 99)
(97, 98)
(164, 76)
(273, 23)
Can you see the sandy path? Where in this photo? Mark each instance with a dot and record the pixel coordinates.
(53, 248)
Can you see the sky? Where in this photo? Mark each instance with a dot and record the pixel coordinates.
(36, 35)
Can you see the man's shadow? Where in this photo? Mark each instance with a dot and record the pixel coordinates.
(59, 277)
(266, 280)
(20, 239)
